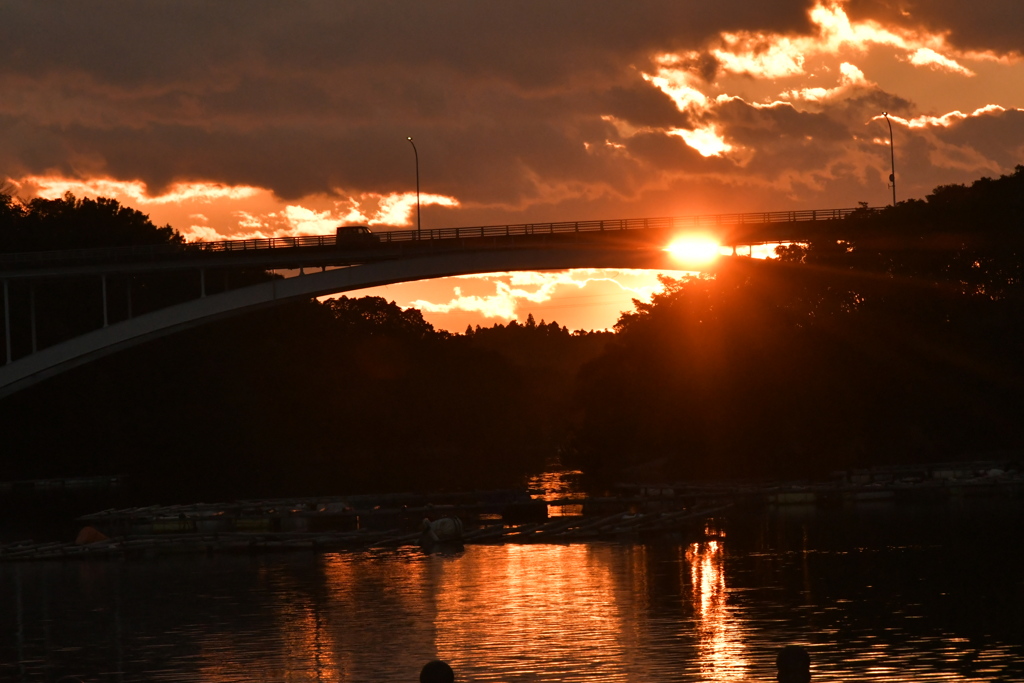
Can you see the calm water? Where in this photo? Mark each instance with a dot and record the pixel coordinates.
(876, 594)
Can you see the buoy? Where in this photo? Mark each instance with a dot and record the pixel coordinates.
(89, 535)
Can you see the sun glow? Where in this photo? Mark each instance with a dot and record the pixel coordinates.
(694, 250)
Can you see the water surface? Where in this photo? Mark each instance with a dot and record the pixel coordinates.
(886, 593)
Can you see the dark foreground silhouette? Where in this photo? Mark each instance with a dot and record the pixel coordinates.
(437, 672)
(898, 339)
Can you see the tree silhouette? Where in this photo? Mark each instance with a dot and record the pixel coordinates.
(71, 223)
(895, 337)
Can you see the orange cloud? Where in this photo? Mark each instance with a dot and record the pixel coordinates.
(52, 187)
(706, 140)
(924, 56)
(680, 84)
(529, 291)
(760, 55)
(239, 211)
(771, 69)
(944, 121)
(771, 56)
(850, 77)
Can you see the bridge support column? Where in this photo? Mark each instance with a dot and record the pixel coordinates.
(32, 313)
(128, 289)
(103, 280)
(202, 283)
(7, 321)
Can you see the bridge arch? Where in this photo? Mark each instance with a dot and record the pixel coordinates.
(58, 358)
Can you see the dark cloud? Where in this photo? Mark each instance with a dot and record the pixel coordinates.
(996, 135)
(508, 101)
(987, 25)
(306, 97)
(529, 41)
(664, 152)
(761, 127)
(642, 104)
(987, 144)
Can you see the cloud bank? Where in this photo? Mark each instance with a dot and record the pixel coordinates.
(257, 118)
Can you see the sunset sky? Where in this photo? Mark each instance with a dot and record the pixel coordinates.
(251, 118)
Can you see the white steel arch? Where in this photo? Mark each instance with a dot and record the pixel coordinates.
(55, 359)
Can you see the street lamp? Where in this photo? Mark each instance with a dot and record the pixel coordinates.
(418, 226)
(892, 159)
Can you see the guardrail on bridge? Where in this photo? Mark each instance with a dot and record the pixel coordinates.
(158, 251)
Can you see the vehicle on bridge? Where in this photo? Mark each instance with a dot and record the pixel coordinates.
(355, 234)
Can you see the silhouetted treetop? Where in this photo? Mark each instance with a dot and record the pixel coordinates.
(71, 223)
(538, 344)
(963, 239)
(897, 336)
(373, 315)
(987, 207)
(11, 209)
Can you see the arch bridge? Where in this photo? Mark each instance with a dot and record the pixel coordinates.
(340, 264)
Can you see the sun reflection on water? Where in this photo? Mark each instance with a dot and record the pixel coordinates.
(708, 610)
(507, 613)
(553, 603)
(308, 648)
(721, 650)
(557, 486)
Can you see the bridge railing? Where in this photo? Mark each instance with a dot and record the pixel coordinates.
(162, 251)
(510, 230)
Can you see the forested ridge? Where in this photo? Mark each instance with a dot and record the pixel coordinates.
(353, 394)
(894, 338)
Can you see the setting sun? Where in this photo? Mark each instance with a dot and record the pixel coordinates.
(694, 250)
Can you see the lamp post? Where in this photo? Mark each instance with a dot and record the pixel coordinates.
(417, 154)
(892, 159)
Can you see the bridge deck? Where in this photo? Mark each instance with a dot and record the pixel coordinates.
(324, 250)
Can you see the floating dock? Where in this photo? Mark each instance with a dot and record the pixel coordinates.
(360, 522)
(638, 511)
